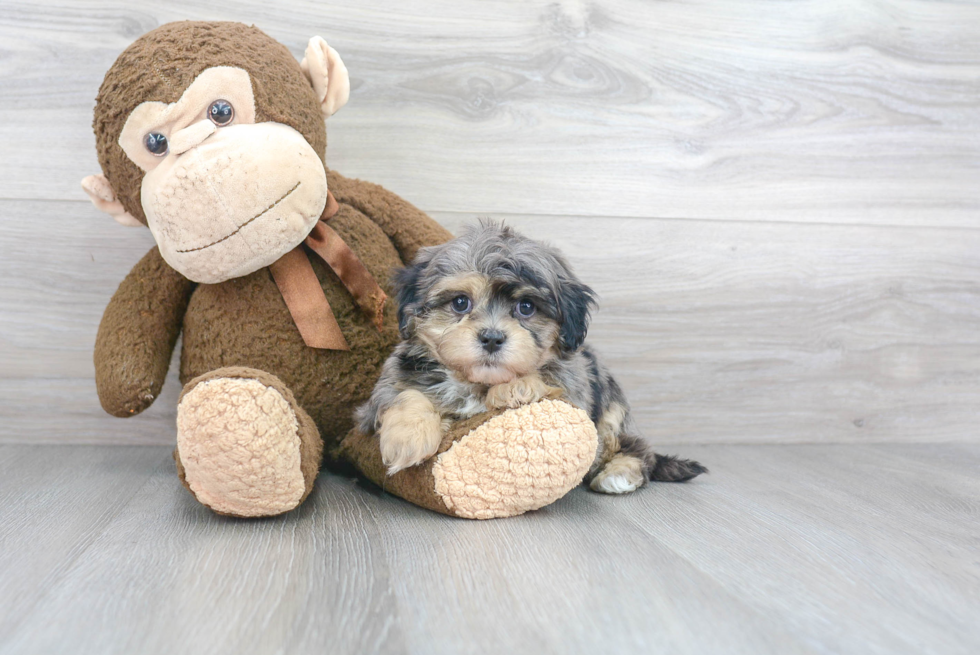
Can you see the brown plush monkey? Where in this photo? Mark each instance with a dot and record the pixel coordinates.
(276, 270)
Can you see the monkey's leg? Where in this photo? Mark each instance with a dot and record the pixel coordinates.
(244, 446)
(497, 464)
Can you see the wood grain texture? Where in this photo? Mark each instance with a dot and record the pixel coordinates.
(858, 548)
(54, 504)
(169, 576)
(719, 331)
(564, 118)
(781, 549)
(863, 112)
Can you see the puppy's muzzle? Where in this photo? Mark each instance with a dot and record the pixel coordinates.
(492, 340)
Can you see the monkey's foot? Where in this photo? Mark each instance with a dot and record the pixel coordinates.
(244, 446)
(493, 465)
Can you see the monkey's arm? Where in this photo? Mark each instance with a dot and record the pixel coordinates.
(408, 227)
(137, 335)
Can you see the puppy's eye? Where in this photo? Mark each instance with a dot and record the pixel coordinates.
(221, 112)
(525, 308)
(461, 304)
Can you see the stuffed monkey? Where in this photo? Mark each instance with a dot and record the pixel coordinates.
(275, 270)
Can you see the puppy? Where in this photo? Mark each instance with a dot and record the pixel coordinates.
(493, 319)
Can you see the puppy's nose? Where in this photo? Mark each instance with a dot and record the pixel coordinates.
(492, 340)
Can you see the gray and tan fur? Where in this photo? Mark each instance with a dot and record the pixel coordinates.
(493, 319)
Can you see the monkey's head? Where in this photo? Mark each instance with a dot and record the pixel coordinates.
(212, 135)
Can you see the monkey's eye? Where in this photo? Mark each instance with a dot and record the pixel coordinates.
(221, 112)
(461, 304)
(156, 143)
(525, 308)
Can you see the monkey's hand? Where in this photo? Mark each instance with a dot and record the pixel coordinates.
(137, 335)
(520, 391)
(411, 431)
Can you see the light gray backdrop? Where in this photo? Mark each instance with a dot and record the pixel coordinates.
(779, 203)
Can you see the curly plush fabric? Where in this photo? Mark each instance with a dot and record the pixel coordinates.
(137, 335)
(244, 446)
(493, 465)
(519, 461)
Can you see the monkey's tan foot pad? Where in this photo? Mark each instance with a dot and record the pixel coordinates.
(244, 446)
(494, 465)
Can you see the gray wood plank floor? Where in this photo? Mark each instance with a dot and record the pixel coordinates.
(781, 549)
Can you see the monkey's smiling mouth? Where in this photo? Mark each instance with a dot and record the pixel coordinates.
(239, 229)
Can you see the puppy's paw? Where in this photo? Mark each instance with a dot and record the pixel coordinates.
(520, 391)
(411, 431)
(621, 475)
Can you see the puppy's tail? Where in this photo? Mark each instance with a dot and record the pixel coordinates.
(667, 468)
(660, 468)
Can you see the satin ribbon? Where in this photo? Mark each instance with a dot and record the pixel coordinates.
(303, 294)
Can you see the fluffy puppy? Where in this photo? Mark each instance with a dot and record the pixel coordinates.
(493, 319)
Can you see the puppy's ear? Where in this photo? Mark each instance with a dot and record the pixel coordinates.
(575, 303)
(409, 295)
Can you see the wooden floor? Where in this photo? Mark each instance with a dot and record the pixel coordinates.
(781, 549)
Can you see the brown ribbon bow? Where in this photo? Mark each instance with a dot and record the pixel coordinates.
(304, 296)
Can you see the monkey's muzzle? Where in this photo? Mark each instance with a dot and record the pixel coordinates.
(236, 202)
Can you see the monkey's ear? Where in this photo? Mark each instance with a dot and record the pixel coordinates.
(104, 198)
(328, 75)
